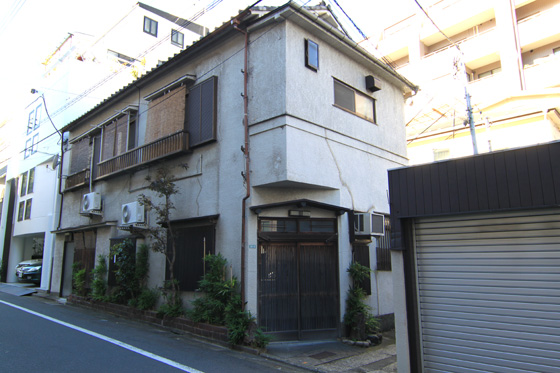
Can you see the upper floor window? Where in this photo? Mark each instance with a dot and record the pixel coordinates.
(150, 26)
(177, 38)
(34, 119)
(119, 136)
(311, 55)
(201, 112)
(354, 101)
(27, 182)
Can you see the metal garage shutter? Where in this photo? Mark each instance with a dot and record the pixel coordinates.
(489, 292)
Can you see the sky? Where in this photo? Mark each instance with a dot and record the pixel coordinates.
(30, 30)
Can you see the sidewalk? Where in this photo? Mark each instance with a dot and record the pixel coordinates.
(334, 356)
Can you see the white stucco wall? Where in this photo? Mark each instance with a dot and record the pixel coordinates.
(301, 146)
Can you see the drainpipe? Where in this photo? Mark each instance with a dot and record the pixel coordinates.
(245, 149)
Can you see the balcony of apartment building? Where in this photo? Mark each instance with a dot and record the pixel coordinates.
(453, 17)
(137, 158)
(538, 26)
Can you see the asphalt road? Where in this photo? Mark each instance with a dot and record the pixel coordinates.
(41, 335)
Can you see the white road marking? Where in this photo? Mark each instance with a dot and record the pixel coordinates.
(110, 340)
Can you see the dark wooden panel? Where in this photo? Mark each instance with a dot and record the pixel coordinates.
(318, 287)
(436, 190)
(453, 189)
(428, 192)
(418, 192)
(472, 184)
(517, 182)
(534, 177)
(481, 185)
(406, 207)
(463, 185)
(444, 186)
(525, 194)
(554, 151)
(502, 179)
(547, 175)
(278, 288)
(491, 175)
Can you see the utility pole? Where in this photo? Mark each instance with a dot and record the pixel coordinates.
(461, 70)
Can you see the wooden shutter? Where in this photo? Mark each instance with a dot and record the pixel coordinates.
(201, 112)
(80, 157)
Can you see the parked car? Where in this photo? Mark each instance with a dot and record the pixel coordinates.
(29, 271)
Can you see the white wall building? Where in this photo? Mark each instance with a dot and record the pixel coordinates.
(80, 72)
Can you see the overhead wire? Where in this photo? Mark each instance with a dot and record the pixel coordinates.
(169, 96)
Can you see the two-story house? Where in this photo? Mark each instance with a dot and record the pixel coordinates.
(80, 71)
(277, 129)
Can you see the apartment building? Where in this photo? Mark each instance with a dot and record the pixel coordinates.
(511, 53)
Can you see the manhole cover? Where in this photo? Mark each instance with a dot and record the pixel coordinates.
(322, 355)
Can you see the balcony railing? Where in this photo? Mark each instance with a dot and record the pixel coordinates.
(77, 180)
(176, 143)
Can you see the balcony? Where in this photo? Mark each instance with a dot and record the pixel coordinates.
(77, 180)
(164, 147)
(539, 29)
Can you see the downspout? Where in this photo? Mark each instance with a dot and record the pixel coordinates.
(245, 149)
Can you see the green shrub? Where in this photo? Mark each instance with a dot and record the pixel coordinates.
(79, 279)
(173, 305)
(356, 308)
(221, 303)
(99, 276)
(125, 273)
(147, 299)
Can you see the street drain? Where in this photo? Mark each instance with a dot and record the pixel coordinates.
(322, 355)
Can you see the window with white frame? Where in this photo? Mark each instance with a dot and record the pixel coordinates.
(150, 26)
(177, 38)
(351, 100)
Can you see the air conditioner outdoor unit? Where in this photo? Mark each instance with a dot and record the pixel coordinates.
(368, 224)
(91, 202)
(132, 213)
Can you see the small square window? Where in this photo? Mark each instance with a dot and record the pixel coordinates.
(311, 55)
(177, 38)
(21, 208)
(150, 26)
(28, 209)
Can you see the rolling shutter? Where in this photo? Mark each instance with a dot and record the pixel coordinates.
(489, 292)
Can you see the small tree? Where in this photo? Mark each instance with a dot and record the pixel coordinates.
(165, 188)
